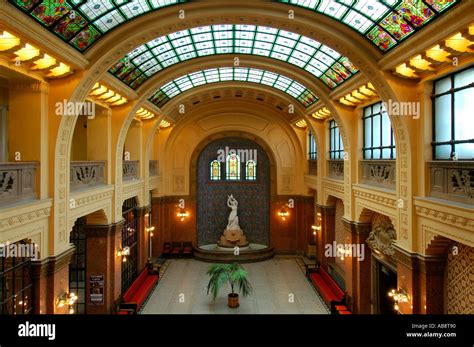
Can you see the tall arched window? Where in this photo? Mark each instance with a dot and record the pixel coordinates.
(215, 170)
(233, 167)
(251, 170)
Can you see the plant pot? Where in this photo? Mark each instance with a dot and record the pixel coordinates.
(233, 300)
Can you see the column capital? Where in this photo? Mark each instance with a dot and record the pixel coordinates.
(326, 210)
(32, 87)
(357, 227)
(427, 264)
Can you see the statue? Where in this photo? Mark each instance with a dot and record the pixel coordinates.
(233, 235)
(233, 223)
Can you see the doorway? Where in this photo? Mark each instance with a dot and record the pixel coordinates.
(386, 280)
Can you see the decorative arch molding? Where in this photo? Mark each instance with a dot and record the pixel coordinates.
(313, 25)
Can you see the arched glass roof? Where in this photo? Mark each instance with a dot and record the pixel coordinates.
(310, 55)
(384, 22)
(82, 22)
(305, 96)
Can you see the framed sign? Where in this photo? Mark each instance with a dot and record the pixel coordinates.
(96, 284)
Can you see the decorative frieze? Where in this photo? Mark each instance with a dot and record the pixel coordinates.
(87, 174)
(336, 169)
(130, 170)
(452, 180)
(17, 182)
(381, 173)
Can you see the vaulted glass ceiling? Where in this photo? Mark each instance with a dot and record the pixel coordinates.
(82, 22)
(310, 55)
(384, 22)
(305, 96)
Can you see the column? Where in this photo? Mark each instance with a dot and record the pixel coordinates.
(103, 241)
(358, 270)
(326, 234)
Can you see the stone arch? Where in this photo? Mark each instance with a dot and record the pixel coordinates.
(145, 28)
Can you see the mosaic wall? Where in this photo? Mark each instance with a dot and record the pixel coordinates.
(460, 281)
(253, 196)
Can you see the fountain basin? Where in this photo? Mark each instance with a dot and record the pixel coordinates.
(213, 253)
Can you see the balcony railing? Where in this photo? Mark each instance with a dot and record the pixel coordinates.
(130, 170)
(380, 173)
(153, 167)
(87, 174)
(336, 169)
(313, 167)
(452, 180)
(17, 182)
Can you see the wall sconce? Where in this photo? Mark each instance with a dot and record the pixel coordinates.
(399, 296)
(283, 213)
(123, 253)
(66, 299)
(182, 214)
(150, 230)
(317, 227)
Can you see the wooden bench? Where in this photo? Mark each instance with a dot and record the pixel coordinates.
(139, 291)
(330, 292)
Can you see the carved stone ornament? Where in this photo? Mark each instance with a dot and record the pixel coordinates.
(382, 236)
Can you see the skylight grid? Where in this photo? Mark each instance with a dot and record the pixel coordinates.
(195, 79)
(385, 23)
(81, 23)
(292, 48)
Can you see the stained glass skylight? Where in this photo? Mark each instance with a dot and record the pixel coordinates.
(305, 96)
(82, 22)
(310, 55)
(384, 22)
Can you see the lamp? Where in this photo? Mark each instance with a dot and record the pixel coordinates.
(399, 296)
(182, 214)
(123, 253)
(68, 299)
(283, 213)
(150, 230)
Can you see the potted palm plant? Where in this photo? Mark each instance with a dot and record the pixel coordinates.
(235, 275)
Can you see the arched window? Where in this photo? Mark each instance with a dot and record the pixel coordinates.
(251, 170)
(233, 167)
(215, 170)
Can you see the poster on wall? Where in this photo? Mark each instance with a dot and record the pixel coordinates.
(96, 284)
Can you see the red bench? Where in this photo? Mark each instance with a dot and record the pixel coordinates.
(328, 288)
(138, 292)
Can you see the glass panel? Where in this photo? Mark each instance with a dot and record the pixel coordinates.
(233, 167)
(465, 151)
(293, 88)
(443, 152)
(443, 118)
(376, 131)
(367, 132)
(386, 130)
(215, 170)
(251, 173)
(443, 85)
(259, 40)
(464, 119)
(464, 78)
(376, 154)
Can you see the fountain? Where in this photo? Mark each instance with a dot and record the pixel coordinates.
(233, 244)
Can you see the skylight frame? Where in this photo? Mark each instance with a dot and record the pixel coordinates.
(308, 54)
(239, 74)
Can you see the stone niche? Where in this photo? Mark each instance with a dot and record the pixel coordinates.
(253, 196)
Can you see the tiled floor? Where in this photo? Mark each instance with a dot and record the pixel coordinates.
(279, 286)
